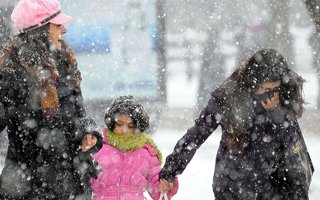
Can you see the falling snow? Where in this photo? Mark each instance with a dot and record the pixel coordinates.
(117, 44)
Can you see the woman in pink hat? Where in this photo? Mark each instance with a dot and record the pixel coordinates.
(41, 107)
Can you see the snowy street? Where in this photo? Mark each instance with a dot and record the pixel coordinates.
(158, 51)
(195, 182)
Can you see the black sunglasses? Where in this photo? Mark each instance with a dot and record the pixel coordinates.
(267, 94)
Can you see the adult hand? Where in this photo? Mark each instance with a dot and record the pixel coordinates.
(88, 142)
(271, 103)
(165, 186)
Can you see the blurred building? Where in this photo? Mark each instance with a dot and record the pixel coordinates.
(6, 7)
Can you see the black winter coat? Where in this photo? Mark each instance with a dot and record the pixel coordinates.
(43, 154)
(275, 164)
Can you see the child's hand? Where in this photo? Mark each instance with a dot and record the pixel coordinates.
(88, 142)
(165, 186)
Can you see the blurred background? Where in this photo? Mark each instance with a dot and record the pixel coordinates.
(171, 54)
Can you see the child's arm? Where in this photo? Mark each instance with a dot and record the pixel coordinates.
(153, 182)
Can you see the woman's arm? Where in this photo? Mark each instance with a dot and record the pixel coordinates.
(187, 146)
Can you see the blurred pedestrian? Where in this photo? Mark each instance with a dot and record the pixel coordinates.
(130, 159)
(212, 71)
(41, 104)
(262, 153)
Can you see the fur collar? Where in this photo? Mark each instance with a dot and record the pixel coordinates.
(129, 143)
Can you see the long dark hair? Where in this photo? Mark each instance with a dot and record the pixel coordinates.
(266, 65)
(30, 45)
(35, 48)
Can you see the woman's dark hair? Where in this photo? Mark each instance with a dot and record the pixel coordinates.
(35, 48)
(26, 43)
(266, 65)
(39, 35)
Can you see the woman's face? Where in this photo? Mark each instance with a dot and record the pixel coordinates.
(124, 125)
(56, 32)
(267, 86)
(269, 95)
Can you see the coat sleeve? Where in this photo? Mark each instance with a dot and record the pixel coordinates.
(4, 89)
(3, 119)
(153, 178)
(187, 146)
(95, 181)
(88, 169)
(295, 166)
(70, 90)
(78, 93)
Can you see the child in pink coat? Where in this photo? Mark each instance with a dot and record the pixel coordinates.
(129, 158)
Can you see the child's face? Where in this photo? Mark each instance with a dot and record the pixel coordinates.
(124, 125)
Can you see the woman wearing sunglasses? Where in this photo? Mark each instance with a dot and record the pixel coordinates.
(262, 153)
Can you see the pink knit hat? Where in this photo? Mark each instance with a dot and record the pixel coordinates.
(31, 14)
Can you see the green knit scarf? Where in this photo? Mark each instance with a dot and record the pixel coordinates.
(131, 142)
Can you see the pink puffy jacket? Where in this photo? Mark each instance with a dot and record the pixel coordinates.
(126, 175)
